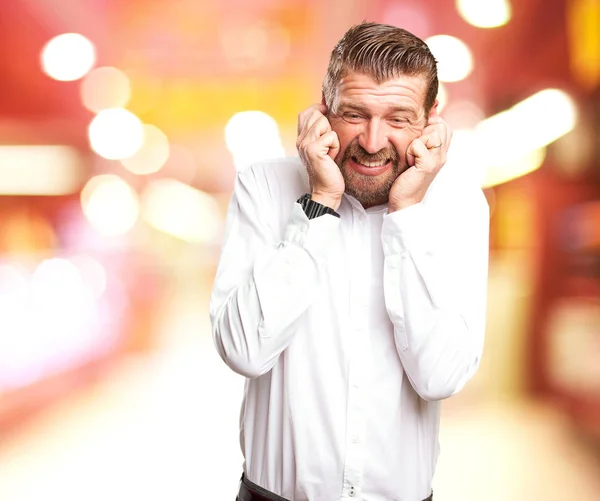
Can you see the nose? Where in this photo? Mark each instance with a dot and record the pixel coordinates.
(373, 138)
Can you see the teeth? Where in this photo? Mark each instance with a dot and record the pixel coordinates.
(374, 164)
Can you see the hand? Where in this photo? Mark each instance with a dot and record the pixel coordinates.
(318, 145)
(426, 155)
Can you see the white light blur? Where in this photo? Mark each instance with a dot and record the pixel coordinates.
(455, 61)
(54, 279)
(105, 88)
(442, 97)
(39, 170)
(116, 134)
(68, 57)
(13, 288)
(465, 157)
(485, 13)
(92, 273)
(110, 204)
(63, 313)
(513, 141)
(48, 321)
(153, 153)
(252, 136)
(501, 173)
(463, 114)
(14, 302)
(529, 125)
(181, 211)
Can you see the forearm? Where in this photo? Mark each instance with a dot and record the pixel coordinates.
(258, 299)
(258, 319)
(436, 295)
(439, 340)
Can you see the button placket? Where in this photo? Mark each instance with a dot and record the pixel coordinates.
(359, 352)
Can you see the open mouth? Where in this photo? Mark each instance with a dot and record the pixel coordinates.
(370, 168)
(379, 163)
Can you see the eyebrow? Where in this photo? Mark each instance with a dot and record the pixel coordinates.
(363, 109)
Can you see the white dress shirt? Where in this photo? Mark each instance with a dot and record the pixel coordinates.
(349, 331)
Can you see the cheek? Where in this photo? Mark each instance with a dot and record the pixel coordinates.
(401, 143)
(401, 139)
(345, 136)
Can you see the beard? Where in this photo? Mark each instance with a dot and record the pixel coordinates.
(370, 190)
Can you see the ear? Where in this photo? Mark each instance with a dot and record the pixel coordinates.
(323, 99)
(433, 112)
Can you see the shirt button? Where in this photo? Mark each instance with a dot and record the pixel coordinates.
(354, 439)
(351, 492)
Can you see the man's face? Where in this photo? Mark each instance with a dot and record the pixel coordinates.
(375, 124)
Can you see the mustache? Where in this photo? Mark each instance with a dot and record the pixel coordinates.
(356, 151)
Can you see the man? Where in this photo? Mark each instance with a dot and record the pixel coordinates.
(352, 283)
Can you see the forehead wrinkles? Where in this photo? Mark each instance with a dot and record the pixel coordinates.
(363, 90)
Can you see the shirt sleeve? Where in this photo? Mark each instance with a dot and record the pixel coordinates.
(435, 286)
(264, 281)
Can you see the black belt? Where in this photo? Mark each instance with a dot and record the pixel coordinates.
(249, 491)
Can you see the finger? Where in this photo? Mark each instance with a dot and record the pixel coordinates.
(432, 140)
(303, 115)
(435, 119)
(438, 130)
(332, 138)
(327, 144)
(416, 150)
(319, 127)
(314, 118)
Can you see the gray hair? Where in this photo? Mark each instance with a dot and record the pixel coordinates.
(381, 52)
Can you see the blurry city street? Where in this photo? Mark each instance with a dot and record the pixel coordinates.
(163, 425)
(123, 126)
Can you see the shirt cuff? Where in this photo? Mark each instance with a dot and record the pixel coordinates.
(315, 234)
(407, 229)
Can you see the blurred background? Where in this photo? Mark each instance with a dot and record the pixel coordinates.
(122, 126)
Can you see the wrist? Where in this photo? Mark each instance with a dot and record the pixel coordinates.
(330, 201)
(400, 204)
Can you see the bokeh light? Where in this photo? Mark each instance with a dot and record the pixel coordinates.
(463, 114)
(252, 136)
(116, 134)
(53, 278)
(442, 97)
(153, 153)
(455, 61)
(501, 173)
(485, 13)
(13, 288)
(110, 204)
(92, 273)
(68, 57)
(182, 211)
(40, 169)
(529, 125)
(104, 88)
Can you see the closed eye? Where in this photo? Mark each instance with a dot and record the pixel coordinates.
(352, 117)
(399, 122)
